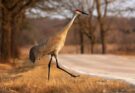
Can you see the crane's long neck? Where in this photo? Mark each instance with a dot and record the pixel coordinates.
(70, 23)
(66, 29)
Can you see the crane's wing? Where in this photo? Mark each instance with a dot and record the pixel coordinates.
(50, 45)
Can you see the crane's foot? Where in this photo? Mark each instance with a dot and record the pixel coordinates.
(75, 76)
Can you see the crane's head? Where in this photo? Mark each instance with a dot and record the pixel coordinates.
(80, 12)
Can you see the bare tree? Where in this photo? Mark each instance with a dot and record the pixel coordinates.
(101, 15)
(89, 25)
(102, 10)
(12, 14)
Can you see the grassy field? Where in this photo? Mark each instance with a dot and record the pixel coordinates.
(32, 78)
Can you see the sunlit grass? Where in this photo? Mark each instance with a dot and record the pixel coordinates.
(29, 78)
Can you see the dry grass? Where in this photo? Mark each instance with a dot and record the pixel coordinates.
(28, 78)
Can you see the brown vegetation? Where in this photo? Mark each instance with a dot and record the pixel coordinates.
(118, 39)
(32, 78)
(12, 15)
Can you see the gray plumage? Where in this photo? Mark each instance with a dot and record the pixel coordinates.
(36, 52)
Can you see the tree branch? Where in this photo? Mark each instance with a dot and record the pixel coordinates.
(22, 5)
(2, 5)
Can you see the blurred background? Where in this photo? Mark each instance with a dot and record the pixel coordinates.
(108, 29)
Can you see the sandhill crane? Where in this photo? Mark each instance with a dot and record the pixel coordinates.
(53, 45)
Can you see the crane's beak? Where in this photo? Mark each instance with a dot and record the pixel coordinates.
(84, 13)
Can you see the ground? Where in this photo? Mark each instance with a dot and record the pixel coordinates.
(32, 78)
(107, 66)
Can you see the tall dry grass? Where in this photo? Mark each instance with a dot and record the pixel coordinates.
(29, 78)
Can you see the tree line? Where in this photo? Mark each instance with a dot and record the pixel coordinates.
(13, 14)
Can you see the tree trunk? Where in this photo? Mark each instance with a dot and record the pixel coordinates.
(16, 27)
(6, 31)
(92, 46)
(101, 23)
(81, 43)
(11, 24)
(11, 21)
(103, 41)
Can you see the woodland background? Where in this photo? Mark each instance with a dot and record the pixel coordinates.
(109, 28)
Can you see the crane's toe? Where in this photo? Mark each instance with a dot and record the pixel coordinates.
(75, 75)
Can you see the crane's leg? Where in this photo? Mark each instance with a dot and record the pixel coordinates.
(49, 65)
(62, 68)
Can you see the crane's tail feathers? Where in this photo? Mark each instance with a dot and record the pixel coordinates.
(32, 55)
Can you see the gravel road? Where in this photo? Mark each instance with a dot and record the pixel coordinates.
(108, 66)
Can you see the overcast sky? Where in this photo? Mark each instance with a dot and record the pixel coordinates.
(123, 4)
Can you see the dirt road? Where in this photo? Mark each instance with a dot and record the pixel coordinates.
(108, 66)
